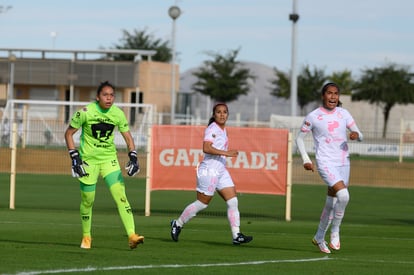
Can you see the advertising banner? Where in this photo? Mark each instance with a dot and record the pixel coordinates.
(260, 167)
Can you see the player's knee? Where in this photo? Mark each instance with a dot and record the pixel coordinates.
(233, 203)
(200, 206)
(88, 198)
(87, 202)
(343, 195)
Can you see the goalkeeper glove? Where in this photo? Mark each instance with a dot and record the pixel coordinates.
(132, 165)
(77, 164)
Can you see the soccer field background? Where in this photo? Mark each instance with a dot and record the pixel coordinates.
(42, 235)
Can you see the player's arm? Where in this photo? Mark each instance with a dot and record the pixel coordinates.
(70, 143)
(132, 165)
(355, 133)
(78, 170)
(208, 148)
(128, 140)
(307, 163)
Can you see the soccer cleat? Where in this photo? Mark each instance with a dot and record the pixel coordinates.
(175, 230)
(86, 243)
(134, 240)
(322, 246)
(335, 244)
(241, 238)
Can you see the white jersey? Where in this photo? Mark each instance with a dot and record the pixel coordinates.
(212, 173)
(329, 130)
(218, 137)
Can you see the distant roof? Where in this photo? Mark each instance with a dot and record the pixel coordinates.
(74, 53)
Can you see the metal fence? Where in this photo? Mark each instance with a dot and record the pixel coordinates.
(381, 162)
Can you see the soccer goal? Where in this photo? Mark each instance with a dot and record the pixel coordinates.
(32, 126)
(44, 122)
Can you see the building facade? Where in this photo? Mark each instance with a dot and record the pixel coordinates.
(73, 75)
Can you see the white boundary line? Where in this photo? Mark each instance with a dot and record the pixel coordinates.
(109, 268)
(132, 267)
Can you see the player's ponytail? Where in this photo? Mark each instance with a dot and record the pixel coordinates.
(211, 120)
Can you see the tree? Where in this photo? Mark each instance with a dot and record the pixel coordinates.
(282, 84)
(386, 87)
(344, 80)
(223, 79)
(309, 84)
(142, 40)
(4, 9)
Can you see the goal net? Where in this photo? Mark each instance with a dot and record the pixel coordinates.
(43, 123)
(32, 136)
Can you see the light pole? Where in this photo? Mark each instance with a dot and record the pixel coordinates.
(251, 82)
(53, 35)
(12, 59)
(294, 17)
(174, 12)
(10, 92)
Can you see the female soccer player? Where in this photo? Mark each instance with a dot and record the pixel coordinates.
(329, 124)
(212, 175)
(97, 156)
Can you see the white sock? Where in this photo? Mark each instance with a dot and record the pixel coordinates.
(233, 215)
(339, 209)
(190, 212)
(326, 218)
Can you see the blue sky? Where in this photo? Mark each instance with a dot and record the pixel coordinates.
(331, 34)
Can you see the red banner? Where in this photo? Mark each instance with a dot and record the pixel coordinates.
(260, 167)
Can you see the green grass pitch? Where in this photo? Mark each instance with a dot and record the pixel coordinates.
(42, 235)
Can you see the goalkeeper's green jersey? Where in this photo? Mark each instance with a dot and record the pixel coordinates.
(97, 137)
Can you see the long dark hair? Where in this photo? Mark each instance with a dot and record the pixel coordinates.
(211, 120)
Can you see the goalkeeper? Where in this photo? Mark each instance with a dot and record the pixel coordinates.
(97, 156)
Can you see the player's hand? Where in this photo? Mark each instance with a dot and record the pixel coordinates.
(132, 165)
(353, 136)
(308, 166)
(78, 170)
(232, 153)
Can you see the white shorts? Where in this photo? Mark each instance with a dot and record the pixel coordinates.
(211, 179)
(334, 174)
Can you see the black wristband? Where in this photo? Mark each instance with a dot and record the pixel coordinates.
(133, 156)
(73, 153)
